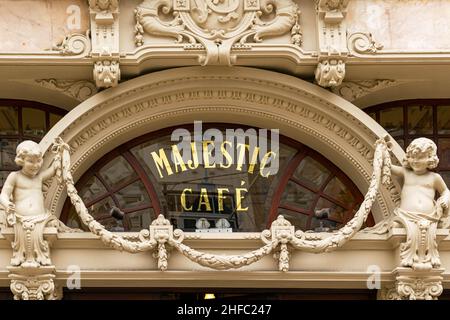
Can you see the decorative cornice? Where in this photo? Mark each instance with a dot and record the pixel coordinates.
(353, 90)
(77, 89)
(236, 24)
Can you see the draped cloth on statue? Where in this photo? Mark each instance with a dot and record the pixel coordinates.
(30, 248)
(420, 249)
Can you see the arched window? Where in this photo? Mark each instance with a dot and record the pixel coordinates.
(410, 119)
(125, 191)
(22, 120)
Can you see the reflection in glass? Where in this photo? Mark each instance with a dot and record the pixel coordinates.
(9, 121)
(54, 118)
(117, 171)
(33, 122)
(443, 119)
(299, 220)
(339, 191)
(392, 120)
(444, 153)
(133, 195)
(8, 153)
(297, 196)
(329, 210)
(92, 189)
(3, 176)
(420, 119)
(138, 220)
(312, 171)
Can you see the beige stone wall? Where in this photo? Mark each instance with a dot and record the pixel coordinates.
(413, 25)
(38, 25)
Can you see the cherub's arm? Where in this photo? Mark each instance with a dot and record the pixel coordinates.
(49, 172)
(397, 171)
(7, 190)
(441, 187)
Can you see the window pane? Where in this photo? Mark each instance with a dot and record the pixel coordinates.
(117, 171)
(8, 153)
(326, 209)
(339, 191)
(33, 122)
(133, 195)
(446, 176)
(138, 220)
(324, 225)
(373, 115)
(311, 171)
(401, 142)
(92, 189)
(9, 121)
(296, 219)
(54, 118)
(444, 153)
(443, 119)
(420, 120)
(298, 196)
(392, 120)
(3, 176)
(101, 210)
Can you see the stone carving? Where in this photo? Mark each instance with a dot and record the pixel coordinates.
(77, 89)
(105, 42)
(217, 26)
(74, 44)
(281, 233)
(23, 201)
(418, 285)
(418, 211)
(333, 50)
(106, 73)
(360, 42)
(353, 90)
(330, 72)
(420, 214)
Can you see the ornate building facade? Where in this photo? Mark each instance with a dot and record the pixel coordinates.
(337, 88)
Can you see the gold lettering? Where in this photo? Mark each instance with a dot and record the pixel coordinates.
(264, 163)
(194, 160)
(241, 156)
(221, 197)
(206, 154)
(183, 200)
(204, 200)
(162, 162)
(239, 198)
(178, 160)
(226, 154)
(251, 167)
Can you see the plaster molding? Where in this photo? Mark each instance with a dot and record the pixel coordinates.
(332, 33)
(104, 16)
(77, 89)
(293, 105)
(33, 283)
(213, 29)
(353, 90)
(416, 285)
(362, 43)
(74, 45)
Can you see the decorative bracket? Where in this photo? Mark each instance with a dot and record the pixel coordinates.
(332, 36)
(105, 42)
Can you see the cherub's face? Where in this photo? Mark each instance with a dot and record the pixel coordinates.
(32, 165)
(419, 162)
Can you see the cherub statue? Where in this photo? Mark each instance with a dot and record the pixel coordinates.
(23, 200)
(419, 212)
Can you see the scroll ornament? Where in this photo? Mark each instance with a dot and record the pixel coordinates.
(217, 26)
(281, 237)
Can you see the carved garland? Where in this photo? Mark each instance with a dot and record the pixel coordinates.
(282, 233)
